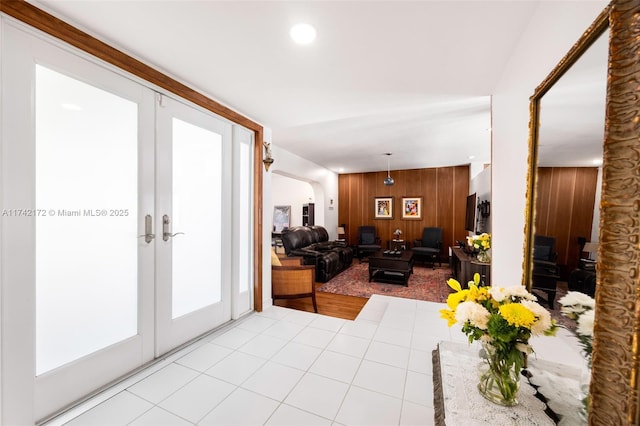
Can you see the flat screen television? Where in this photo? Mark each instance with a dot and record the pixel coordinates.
(470, 217)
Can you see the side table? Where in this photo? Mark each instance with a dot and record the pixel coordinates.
(397, 245)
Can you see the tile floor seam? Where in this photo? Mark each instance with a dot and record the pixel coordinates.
(227, 397)
(163, 409)
(351, 384)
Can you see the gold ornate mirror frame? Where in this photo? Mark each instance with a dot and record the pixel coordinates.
(616, 354)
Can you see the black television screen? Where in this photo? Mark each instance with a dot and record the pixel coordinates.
(470, 217)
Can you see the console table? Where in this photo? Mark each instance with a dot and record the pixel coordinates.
(548, 396)
(464, 266)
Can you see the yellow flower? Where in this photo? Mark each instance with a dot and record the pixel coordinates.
(450, 316)
(454, 284)
(517, 315)
(477, 294)
(454, 299)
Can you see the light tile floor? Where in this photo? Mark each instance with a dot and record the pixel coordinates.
(287, 367)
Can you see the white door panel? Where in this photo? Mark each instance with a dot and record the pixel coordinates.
(78, 319)
(192, 280)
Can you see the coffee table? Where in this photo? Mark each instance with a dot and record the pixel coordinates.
(394, 269)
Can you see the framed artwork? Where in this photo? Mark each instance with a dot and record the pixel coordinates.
(383, 208)
(412, 207)
(281, 218)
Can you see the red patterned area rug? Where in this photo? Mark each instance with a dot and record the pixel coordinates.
(424, 284)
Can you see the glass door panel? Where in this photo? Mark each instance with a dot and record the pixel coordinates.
(86, 221)
(243, 144)
(196, 208)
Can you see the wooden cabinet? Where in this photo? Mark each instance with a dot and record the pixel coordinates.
(308, 214)
(464, 266)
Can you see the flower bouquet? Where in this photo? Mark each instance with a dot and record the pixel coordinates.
(482, 243)
(503, 319)
(580, 308)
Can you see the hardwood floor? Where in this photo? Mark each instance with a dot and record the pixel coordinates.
(335, 305)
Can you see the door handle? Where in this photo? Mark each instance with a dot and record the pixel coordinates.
(166, 232)
(148, 229)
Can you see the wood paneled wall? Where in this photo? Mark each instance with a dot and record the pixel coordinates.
(565, 198)
(443, 190)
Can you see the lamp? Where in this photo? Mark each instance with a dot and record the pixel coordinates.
(268, 159)
(341, 232)
(388, 181)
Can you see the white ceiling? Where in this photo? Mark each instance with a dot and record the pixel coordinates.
(413, 78)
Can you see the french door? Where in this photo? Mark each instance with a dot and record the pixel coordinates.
(116, 225)
(193, 154)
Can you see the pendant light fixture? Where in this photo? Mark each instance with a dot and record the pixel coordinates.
(388, 181)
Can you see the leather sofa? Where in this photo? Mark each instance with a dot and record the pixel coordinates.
(313, 245)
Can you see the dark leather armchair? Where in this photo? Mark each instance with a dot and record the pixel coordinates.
(429, 246)
(545, 273)
(368, 242)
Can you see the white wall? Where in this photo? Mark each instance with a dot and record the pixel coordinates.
(323, 181)
(287, 191)
(481, 185)
(555, 27)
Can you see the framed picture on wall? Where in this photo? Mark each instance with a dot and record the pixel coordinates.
(281, 218)
(412, 207)
(383, 208)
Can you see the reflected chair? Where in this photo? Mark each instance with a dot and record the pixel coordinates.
(428, 248)
(292, 280)
(368, 242)
(545, 273)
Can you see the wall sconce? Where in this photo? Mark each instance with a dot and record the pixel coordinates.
(268, 158)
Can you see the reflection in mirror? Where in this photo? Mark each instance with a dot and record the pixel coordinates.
(568, 175)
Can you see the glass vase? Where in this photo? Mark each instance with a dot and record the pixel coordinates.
(483, 256)
(499, 379)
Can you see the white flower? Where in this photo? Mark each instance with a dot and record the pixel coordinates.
(543, 317)
(585, 323)
(501, 293)
(473, 312)
(577, 301)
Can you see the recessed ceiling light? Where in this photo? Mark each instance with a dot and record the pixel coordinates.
(471, 157)
(303, 33)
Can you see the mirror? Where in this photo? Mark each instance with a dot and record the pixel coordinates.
(567, 194)
(572, 123)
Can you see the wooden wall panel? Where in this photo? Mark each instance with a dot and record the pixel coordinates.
(443, 190)
(565, 200)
